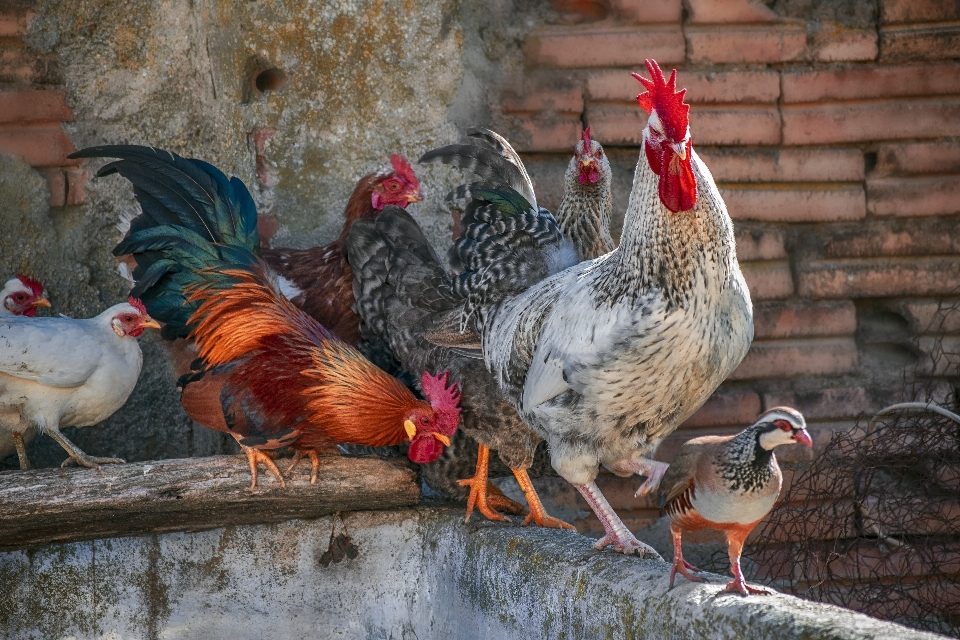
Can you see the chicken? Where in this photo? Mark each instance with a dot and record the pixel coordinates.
(403, 295)
(728, 483)
(267, 373)
(21, 296)
(319, 280)
(584, 212)
(62, 372)
(605, 359)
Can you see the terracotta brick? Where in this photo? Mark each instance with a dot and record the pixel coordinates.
(19, 65)
(931, 316)
(790, 358)
(882, 277)
(846, 45)
(914, 196)
(20, 107)
(563, 100)
(77, 179)
(790, 203)
(609, 46)
(623, 124)
(647, 11)
(56, 179)
(759, 244)
(557, 133)
(703, 87)
(918, 10)
(910, 158)
(580, 11)
(826, 404)
(871, 82)
(713, 12)
(894, 237)
(731, 409)
(13, 23)
(768, 280)
(928, 42)
(784, 165)
(780, 43)
(40, 145)
(861, 122)
(803, 319)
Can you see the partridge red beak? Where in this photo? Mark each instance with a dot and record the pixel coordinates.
(803, 437)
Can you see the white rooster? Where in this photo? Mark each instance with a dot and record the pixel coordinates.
(607, 358)
(63, 372)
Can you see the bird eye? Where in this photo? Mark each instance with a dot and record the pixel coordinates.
(598, 153)
(425, 420)
(783, 425)
(20, 297)
(128, 318)
(393, 186)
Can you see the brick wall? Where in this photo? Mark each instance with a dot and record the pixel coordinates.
(833, 132)
(33, 106)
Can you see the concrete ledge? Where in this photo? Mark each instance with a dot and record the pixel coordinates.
(420, 573)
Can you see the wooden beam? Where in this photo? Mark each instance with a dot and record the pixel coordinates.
(58, 505)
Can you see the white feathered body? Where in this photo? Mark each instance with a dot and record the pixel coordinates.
(64, 371)
(607, 358)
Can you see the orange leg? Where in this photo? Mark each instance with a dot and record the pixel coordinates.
(256, 456)
(497, 499)
(538, 514)
(738, 585)
(479, 488)
(314, 461)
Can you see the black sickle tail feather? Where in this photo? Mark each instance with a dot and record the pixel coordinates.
(193, 222)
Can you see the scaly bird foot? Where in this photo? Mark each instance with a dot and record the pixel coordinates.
(654, 471)
(255, 456)
(21, 448)
(478, 489)
(684, 568)
(742, 588)
(497, 500)
(314, 462)
(627, 545)
(538, 515)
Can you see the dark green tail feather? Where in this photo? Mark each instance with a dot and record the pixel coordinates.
(194, 223)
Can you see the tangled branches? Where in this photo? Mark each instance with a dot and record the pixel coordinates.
(873, 523)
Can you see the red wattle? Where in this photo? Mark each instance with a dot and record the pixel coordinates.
(678, 186)
(30, 312)
(424, 449)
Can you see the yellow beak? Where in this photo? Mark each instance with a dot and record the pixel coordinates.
(442, 438)
(42, 302)
(410, 428)
(414, 197)
(152, 324)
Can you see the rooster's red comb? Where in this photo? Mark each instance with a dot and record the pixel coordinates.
(444, 399)
(664, 97)
(403, 170)
(34, 285)
(586, 140)
(136, 304)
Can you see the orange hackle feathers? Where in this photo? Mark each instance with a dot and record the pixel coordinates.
(355, 401)
(232, 322)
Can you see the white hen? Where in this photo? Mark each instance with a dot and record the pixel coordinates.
(21, 296)
(62, 372)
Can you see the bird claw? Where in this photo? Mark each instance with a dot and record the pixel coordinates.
(627, 546)
(478, 498)
(740, 587)
(654, 471)
(548, 522)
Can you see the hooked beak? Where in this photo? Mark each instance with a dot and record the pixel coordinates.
(442, 438)
(410, 428)
(150, 324)
(414, 197)
(42, 302)
(681, 149)
(803, 437)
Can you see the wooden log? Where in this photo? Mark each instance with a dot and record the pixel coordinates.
(59, 505)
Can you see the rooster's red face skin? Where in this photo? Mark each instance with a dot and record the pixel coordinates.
(666, 139)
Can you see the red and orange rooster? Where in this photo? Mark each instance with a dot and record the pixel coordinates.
(268, 373)
(319, 280)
